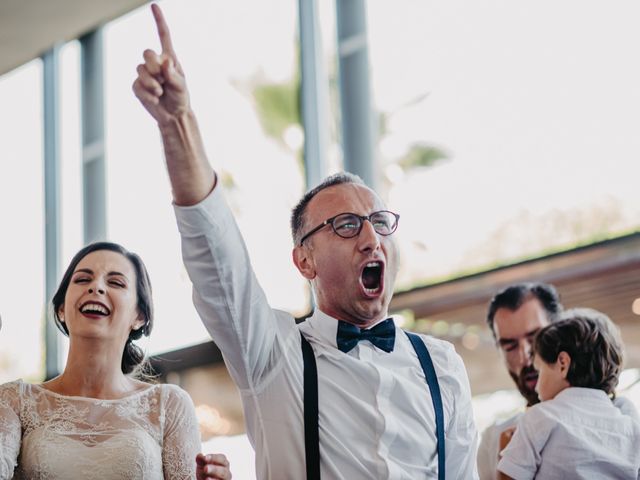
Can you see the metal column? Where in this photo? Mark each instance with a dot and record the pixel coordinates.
(52, 220)
(357, 121)
(93, 145)
(314, 94)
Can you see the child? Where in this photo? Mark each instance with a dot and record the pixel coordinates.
(576, 432)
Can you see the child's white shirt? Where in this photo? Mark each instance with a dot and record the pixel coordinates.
(580, 434)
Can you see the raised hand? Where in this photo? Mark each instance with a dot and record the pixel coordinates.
(162, 90)
(214, 466)
(160, 85)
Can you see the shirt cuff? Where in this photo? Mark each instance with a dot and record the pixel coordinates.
(211, 214)
(514, 471)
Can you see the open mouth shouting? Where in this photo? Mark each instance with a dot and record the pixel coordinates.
(372, 278)
(93, 309)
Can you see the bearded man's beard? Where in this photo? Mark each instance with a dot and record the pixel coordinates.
(530, 395)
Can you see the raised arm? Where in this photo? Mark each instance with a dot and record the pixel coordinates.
(162, 90)
(227, 296)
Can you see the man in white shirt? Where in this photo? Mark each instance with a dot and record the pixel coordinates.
(576, 431)
(515, 315)
(376, 418)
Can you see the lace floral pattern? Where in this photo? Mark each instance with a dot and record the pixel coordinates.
(152, 434)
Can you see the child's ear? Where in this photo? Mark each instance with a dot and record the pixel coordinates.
(564, 361)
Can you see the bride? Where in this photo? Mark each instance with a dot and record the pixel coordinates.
(96, 420)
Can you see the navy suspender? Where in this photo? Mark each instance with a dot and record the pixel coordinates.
(311, 431)
(436, 398)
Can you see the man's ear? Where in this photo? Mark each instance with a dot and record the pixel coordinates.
(564, 361)
(303, 260)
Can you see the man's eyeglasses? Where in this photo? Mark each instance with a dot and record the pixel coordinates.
(349, 225)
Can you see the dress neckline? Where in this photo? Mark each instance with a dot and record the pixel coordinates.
(93, 399)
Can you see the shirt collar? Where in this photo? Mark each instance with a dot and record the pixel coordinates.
(580, 393)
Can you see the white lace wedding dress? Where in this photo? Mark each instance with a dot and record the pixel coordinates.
(152, 434)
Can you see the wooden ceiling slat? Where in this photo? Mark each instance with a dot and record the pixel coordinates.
(28, 28)
(604, 276)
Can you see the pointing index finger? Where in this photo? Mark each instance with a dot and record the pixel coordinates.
(163, 32)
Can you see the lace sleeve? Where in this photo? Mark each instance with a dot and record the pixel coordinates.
(181, 436)
(10, 428)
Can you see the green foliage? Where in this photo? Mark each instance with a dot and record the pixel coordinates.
(226, 179)
(422, 155)
(278, 106)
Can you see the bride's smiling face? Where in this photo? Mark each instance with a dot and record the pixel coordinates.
(101, 298)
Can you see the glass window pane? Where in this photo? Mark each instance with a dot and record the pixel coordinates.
(499, 143)
(21, 217)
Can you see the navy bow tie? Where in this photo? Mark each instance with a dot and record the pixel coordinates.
(383, 335)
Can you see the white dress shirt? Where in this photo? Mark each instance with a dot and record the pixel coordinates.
(376, 418)
(579, 434)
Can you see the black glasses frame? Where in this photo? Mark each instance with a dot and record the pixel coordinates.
(329, 221)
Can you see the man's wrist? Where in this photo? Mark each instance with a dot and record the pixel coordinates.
(177, 121)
